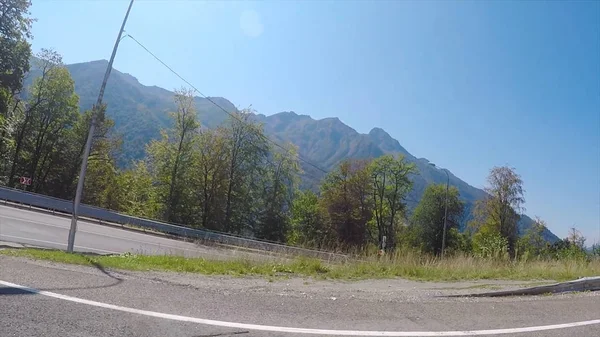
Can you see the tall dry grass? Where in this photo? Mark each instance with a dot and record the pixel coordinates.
(403, 263)
(411, 264)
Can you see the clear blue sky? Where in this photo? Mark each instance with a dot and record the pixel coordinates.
(468, 85)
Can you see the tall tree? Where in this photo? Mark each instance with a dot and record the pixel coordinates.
(47, 62)
(391, 184)
(427, 221)
(15, 50)
(280, 183)
(499, 212)
(50, 113)
(211, 177)
(346, 196)
(171, 157)
(51, 119)
(186, 123)
(247, 151)
(576, 238)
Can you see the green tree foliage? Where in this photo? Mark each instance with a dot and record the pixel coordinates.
(247, 153)
(171, 159)
(596, 250)
(280, 182)
(25, 115)
(499, 212)
(44, 125)
(9, 125)
(225, 179)
(70, 147)
(461, 242)
(491, 245)
(362, 201)
(346, 196)
(103, 185)
(139, 195)
(51, 117)
(211, 176)
(427, 221)
(390, 186)
(570, 248)
(44, 139)
(576, 238)
(533, 243)
(309, 222)
(186, 124)
(15, 51)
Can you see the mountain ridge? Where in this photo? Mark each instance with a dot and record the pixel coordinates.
(140, 111)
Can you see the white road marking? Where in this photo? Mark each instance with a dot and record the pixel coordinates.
(301, 330)
(58, 243)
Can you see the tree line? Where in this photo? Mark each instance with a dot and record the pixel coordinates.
(232, 179)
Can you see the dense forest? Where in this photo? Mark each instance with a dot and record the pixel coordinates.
(232, 178)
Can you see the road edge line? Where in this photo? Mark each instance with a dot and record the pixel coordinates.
(300, 330)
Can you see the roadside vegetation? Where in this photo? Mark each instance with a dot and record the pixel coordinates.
(405, 265)
(233, 179)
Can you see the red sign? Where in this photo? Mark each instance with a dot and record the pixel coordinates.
(25, 181)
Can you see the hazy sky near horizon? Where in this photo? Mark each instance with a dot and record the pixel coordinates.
(466, 84)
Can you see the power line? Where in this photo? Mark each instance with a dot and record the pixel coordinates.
(231, 114)
(220, 107)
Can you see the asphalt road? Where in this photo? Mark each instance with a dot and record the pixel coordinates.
(51, 231)
(107, 303)
(84, 301)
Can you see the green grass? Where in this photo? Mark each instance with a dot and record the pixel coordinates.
(404, 265)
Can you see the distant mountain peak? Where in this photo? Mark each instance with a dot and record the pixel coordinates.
(386, 142)
(285, 114)
(377, 130)
(331, 120)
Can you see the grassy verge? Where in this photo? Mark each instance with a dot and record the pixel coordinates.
(411, 266)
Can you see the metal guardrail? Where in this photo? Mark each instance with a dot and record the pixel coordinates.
(65, 206)
(582, 284)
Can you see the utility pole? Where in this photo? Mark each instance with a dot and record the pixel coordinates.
(88, 144)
